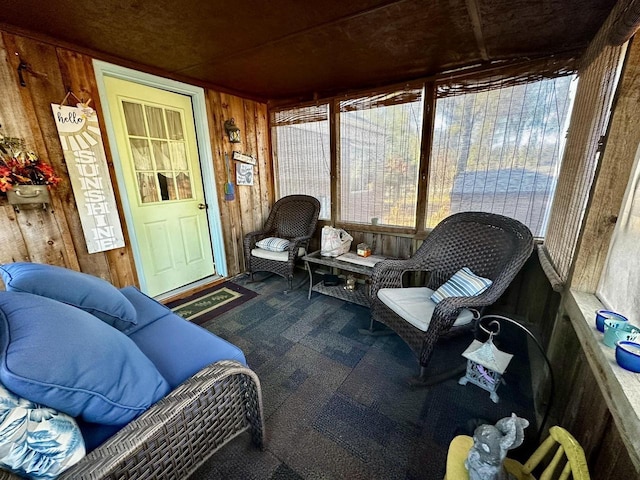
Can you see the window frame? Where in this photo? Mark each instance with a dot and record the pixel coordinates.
(274, 152)
(336, 163)
(430, 87)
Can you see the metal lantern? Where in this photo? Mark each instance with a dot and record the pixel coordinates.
(232, 130)
(485, 366)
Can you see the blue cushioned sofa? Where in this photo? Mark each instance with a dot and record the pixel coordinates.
(154, 396)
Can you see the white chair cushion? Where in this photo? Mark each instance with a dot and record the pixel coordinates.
(416, 307)
(277, 256)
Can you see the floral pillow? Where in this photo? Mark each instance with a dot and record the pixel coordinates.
(36, 441)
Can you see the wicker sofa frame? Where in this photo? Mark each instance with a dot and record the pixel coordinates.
(293, 218)
(181, 431)
(491, 245)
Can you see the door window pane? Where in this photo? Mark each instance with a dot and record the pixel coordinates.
(156, 122)
(167, 186)
(147, 187)
(174, 125)
(134, 118)
(141, 154)
(183, 181)
(179, 156)
(161, 155)
(161, 165)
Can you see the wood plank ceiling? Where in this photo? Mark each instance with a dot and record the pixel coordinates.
(286, 49)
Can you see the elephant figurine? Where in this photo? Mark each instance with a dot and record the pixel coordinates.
(490, 446)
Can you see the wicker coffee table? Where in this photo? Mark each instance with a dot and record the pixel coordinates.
(359, 296)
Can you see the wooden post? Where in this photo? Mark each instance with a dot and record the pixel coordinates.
(609, 185)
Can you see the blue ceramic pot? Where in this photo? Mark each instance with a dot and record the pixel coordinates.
(602, 315)
(628, 355)
(617, 330)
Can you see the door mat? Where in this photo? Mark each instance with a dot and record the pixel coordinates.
(211, 302)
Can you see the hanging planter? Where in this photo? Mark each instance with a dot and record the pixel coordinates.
(28, 194)
(23, 176)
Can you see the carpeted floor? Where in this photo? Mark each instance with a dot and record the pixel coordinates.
(337, 404)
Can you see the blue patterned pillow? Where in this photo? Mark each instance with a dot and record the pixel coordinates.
(463, 283)
(36, 441)
(273, 244)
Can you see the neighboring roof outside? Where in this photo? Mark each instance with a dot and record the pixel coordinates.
(502, 181)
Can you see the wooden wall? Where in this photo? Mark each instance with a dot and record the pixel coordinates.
(55, 236)
(580, 407)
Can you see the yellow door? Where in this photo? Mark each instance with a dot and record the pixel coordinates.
(156, 140)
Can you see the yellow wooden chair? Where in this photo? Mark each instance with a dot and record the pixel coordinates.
(568, 461)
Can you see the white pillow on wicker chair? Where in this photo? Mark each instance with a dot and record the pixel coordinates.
(273, 244)
(416, 307)
(277, 256)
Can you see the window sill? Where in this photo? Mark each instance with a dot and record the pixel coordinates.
(620, 388)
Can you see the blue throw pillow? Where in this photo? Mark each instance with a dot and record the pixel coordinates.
(60, 356)
(463, 283)
(90, 293)
(37, 441)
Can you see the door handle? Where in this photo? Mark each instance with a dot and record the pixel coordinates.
(202, 206)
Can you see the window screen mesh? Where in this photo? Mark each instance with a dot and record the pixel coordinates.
(380, 156)
(588, 124)
(499, 151)
(300, 138)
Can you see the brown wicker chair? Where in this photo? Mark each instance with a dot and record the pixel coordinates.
(181, 431)
(293, 218)
(492, 246)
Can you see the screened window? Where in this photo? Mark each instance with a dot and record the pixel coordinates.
(499, 151)
(380, 157)
(497, 146)
(301, 149)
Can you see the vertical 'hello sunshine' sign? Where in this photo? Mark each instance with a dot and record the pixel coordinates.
(86, 161)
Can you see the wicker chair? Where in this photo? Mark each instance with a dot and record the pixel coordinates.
(293, 218)
(181, 431)
(492, 246)
(559, 456)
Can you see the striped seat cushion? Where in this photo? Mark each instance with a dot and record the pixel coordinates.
(273, 244)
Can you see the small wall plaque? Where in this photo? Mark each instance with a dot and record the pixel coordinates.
(243, 158)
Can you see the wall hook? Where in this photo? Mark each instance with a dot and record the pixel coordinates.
(24, 66)
(21, 67)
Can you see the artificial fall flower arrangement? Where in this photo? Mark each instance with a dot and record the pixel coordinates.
(18, 166)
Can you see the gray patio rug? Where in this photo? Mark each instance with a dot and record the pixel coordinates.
(337, 404)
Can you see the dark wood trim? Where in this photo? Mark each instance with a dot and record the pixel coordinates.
(428, 113)
(476, 71)
(334, 152)
(476, 21)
